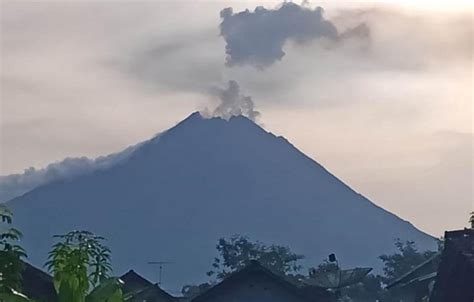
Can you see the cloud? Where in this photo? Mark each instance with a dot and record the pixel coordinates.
(234, 103)
(257, 38)
(413, 40)
(189, 62)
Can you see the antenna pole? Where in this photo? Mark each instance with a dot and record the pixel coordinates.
(161, 272)
(160, 269)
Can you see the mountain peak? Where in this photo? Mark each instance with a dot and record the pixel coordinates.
(197, 116)
(197, 120)
(204, 179)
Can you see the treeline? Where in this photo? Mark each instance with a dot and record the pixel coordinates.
(81, 268)
(236, 252)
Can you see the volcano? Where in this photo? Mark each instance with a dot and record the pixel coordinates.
(178, 193)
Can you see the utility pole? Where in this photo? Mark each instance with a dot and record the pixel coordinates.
(160, 265)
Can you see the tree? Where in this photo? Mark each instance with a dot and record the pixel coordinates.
(237, 251)
(407, 258)
(80, 261)
(11, 254)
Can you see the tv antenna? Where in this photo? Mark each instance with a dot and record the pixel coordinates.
(160, 265)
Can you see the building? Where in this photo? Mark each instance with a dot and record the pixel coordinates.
(133, 282)
(455, 277)
(151, 293)
(416, 285)
(256, 283)
(138, 289)
(37, 285)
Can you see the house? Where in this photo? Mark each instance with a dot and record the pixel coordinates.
(455, 277)
(37, 285)
(416, 284)
(138, 289)
(255, 283)
(151, 293)
(133, 282)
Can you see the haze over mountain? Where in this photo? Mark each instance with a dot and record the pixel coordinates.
(14, 185)
(176, 194)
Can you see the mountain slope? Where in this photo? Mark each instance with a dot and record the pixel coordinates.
(207, 178)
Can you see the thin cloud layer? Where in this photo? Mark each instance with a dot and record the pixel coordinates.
(257, 38)
(15, 185)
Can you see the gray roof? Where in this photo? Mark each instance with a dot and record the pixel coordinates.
(415, 273)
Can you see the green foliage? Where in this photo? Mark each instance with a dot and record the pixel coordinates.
(238, 251)
(80, 261)
(11, 253)
(399, 263)
(109, 290)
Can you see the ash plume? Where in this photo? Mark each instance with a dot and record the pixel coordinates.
(257, 38)
(234, 103)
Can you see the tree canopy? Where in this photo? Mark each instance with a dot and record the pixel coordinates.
(405, 259)
(80, 261)
(237, 251)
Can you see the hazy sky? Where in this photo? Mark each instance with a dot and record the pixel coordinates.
(391, 115)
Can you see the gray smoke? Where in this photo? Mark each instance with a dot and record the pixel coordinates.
(15, 185)
(257, 38)
(234, 103)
